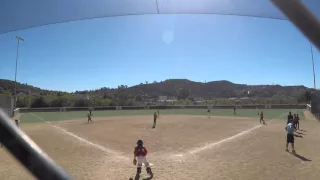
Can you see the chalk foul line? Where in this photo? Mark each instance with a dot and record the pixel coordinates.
(211, 145)
(84, 140)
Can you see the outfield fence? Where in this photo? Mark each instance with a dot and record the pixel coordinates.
(315, 104)
(69, 109)
(7, 104)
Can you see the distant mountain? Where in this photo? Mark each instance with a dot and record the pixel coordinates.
(172, 87)
(8, 86)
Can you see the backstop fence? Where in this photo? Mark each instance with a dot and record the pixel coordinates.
(315, 104)
(7, 105)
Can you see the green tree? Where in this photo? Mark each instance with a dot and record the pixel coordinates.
(183, 93)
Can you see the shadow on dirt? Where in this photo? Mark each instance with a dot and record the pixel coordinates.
(299, 136)
(300, 133)
(300, 157)
(137, 177)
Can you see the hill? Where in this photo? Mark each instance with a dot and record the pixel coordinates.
(174, 87)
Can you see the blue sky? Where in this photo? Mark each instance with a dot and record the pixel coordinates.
(128, 50)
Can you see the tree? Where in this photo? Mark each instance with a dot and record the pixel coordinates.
(146, 82)
(183, 94)
(39, 102)
(105, 96)
(154, 82)
(307, 96)
(138, 98)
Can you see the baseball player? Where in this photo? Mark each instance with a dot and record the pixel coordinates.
(295, 122)
(261, 117)
(17, 122)
(140, 153)
(208, 113)
(298, 122)
(89, 118)
(90, 112)
(290, 137)
(154, 120)
(234, 110)
(158, 113)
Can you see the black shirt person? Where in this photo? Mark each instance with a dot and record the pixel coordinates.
(290, 118)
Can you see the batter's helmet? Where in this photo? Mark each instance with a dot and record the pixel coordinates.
(140, 142)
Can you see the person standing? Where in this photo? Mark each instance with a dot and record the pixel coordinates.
(17, 122)
(290, 118)
(89, 118)
(158, 113)
(261, 117)
(290, 137)
(139, 157)
(154, 120)
(298, 121)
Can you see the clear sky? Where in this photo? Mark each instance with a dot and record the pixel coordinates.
(128, 50)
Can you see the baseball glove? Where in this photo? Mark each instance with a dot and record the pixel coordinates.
(134, 162)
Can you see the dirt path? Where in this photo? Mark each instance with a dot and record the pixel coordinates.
(309, 116)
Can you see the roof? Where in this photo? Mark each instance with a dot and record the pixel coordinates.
(21, 14)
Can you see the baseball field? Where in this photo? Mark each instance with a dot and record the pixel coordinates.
(186, 144)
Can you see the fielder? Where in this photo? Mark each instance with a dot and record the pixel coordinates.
(158, 113)
(261, 117)
(89, 118)
(154, 120)
(140, 153)
(208, 113)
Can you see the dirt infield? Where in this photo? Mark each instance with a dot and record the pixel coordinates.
(181, 147)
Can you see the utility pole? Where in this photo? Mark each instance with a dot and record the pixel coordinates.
(314, 73)
(15, 75)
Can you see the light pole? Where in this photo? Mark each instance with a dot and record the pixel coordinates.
(15, 75)
(314, 74)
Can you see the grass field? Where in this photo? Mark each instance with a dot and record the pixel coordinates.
(251, 113)
(186, 144)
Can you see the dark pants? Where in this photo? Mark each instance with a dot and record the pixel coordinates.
(261, 119)
(290, 138)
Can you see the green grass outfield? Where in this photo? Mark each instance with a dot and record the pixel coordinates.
(280, 114)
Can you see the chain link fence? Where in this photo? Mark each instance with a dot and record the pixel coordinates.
(315, 104)
(7, 105)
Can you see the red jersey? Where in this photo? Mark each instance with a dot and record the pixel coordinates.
(261, 114)
(140, 151)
